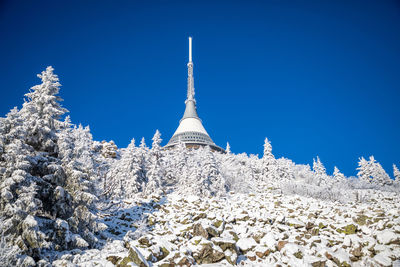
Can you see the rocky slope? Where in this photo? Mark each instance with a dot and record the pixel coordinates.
(260, 229)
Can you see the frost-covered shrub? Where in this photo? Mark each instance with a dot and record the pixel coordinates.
(332, 193)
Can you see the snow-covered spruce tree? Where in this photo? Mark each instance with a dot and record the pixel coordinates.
(75, 151)
(379, 174)
(254, 166)
(127, 175)
(155, 171)
(396, 175)
(235, 171)
(181, 162)
(31, 171)
(42, 111)
(268, 162)
(372, 172)
(35, 202)
(211, 181)
(338, 176)
(175, 164)
(364, 170)
(285, 169)
(320, 172)
(228, 148)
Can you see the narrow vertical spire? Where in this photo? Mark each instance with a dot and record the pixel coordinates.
(191, 131)
(190, 111)
(190, 49)
(190, 85)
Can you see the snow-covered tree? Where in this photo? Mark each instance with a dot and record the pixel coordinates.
(155, 171)
(31, 172)
(211, 181)
(320, 172)
(42, 111)
(228, 148)
(175, 164)
(75, 151)
(143, 144)
(284, 169)
(235, 171)
(181, 162)
(371, 171)
(338, 176)
(379, 174)
(35, 182)
(318, 167)
(127, 175)
(268, 163)
(396, 174)
(364, 170)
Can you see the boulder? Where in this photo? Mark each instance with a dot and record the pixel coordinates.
(224, 243)
(231, 256)
(207, 254)
(198, 230)
(382, 259)
(134, 256)
(113, 259)
(262, 251)
(387, 237)
(281, 244)
(246, 244)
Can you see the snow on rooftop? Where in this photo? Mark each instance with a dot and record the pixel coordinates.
(190, 125)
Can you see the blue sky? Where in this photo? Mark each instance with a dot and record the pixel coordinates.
(315, 77)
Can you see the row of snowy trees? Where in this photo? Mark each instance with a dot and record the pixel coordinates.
(155, 170)
(54, 176)
(206, 173)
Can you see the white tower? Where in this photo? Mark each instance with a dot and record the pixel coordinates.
(190, 130)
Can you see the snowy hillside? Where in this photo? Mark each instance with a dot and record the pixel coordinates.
(265, 229)
(67, 200)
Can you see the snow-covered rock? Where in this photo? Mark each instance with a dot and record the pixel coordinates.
(387, 236)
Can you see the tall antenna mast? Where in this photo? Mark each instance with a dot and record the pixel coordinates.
(190, 85)
(190, 49)
(191, 131)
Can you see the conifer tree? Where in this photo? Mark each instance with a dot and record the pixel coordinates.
(181, 166)
(268, 162)
(36, 201)
(155, 171)
(228, 148)
(371, 171)
(211, 183)
(175, 163)
(127, 175)
(32, 175)
(320, 172)
(42, 111)
(379, 175)
(396, 174)
(364, 170)
(339, 177)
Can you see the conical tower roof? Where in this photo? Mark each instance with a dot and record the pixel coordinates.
(191, 130)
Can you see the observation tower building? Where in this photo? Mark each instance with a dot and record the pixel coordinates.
(191, 130)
